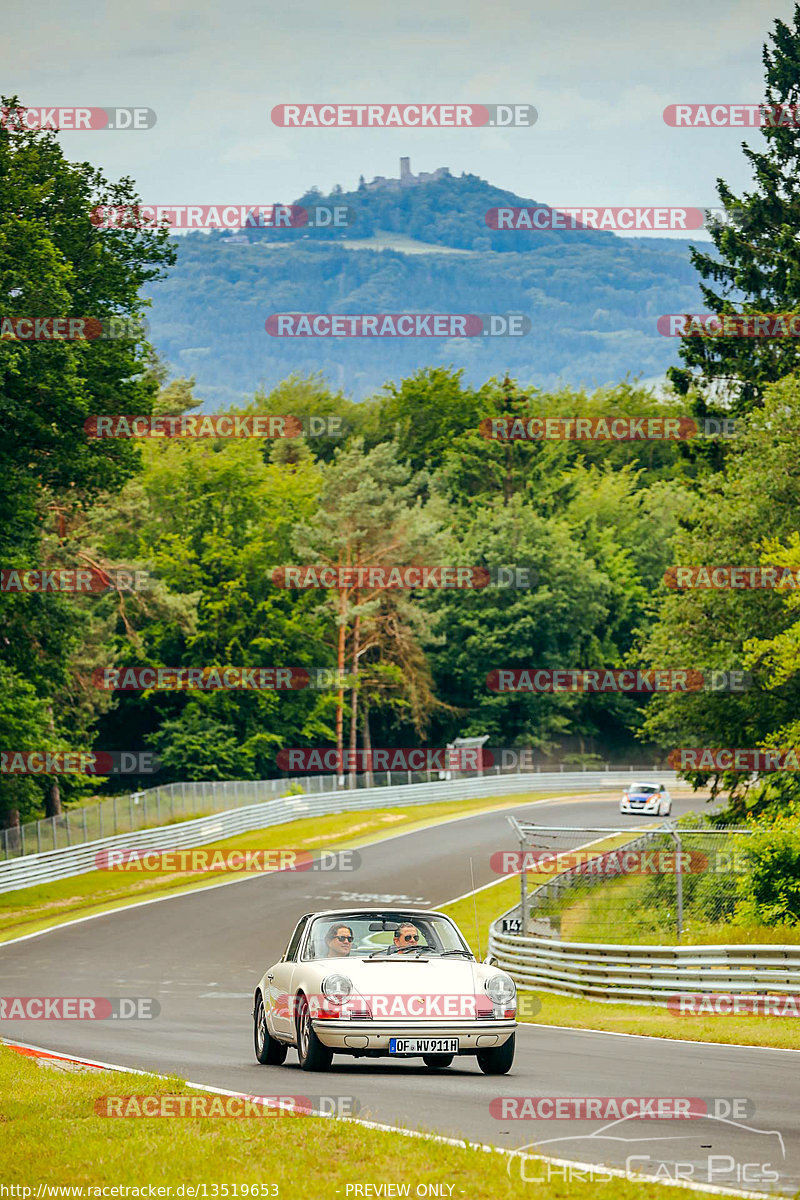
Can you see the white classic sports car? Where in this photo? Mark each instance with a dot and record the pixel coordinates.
(374, 982)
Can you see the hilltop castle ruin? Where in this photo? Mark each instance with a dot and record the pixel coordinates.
(407, 179)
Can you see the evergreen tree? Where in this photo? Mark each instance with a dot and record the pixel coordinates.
(755, 267)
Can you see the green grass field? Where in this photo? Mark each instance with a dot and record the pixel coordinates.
(50, 1134)
(738, 1030)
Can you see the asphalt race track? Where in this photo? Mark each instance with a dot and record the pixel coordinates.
(201, 954)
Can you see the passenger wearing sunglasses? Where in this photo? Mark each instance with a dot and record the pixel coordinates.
(406, 937)
(339, 941)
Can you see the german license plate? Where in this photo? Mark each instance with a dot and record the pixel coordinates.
(423, 1045)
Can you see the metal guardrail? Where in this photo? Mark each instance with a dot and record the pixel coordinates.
(171, 802)
(644, 974)
(638, 974)
(34, 869)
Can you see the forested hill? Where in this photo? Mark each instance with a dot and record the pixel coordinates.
(450, 211)
(593, 308)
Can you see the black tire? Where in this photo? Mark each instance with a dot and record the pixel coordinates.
(499, 1059)
(311, 1053)
(437, 1062)
(269, 1051)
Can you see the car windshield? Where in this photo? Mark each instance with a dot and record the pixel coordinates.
(644, 789)
(373, 934)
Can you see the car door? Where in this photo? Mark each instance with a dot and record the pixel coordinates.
(279, 986)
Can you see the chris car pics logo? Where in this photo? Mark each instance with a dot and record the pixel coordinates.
(737, 1152)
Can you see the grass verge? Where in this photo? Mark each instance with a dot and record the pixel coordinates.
(31, 909)
(727, 1029)
(641, 911)
(58, 1140)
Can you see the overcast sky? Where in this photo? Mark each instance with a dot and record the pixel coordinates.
(600, 73)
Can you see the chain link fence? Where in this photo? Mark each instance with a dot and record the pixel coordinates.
(664, 885)
(181, 801)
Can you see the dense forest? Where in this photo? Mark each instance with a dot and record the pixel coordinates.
(412, 479)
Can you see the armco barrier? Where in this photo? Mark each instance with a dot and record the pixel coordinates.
(643, 974)
(31, 869)
(165, 804)
(612, 972)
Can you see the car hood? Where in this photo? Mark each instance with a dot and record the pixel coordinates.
(423, 989)
(459, 975)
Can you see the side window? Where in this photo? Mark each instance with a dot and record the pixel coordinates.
(294, 942)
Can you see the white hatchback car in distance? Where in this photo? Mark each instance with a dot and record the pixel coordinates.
(646, 798)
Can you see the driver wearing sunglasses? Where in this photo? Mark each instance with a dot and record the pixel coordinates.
(339, 941)
(406, 937)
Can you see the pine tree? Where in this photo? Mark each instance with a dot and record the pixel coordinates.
(756, 267)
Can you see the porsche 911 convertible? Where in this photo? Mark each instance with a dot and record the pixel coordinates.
(375, 982)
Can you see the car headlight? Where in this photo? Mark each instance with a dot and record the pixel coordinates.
(336, 987)
(500, 988)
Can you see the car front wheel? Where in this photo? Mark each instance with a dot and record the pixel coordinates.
(311, 1053)
(437, 1062)
(499, 1059)
(269, 1052)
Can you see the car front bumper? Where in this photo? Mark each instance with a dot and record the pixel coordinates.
(625, 806)
(370, 1036)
